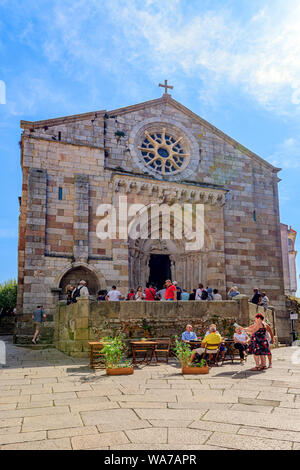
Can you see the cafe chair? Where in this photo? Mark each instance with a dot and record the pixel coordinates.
(163, 347)
(213, 357)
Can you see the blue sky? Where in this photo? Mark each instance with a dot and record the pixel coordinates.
(236, 63)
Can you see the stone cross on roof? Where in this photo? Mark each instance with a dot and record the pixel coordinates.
(166, 86)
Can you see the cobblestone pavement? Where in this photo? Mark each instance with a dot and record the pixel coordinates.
(51, 401)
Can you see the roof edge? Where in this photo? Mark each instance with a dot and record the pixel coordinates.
(60, 120)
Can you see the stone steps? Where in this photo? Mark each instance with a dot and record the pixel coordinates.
(37, 346)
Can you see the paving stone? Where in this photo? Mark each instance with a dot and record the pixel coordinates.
(74, 387)
(169, 423)
(270, 433)
(165, 447)
(252, 408)
(71, 432)
(40, 423)
(148, 436)
(118, 416)
(104, 439)
(49, 444)
(253, 419)
(9, 422)
(12, 438)
(53, 396)
(187, 436)
(285, 397)
(258, 402)
(186, 414)
(249, 443)
(123, 425)
(100, 392)
(54, 410)
(93, 406)
(10, 430)
(185, 405)
(141, 405)
(210, 426)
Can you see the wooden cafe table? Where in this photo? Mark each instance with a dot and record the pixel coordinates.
(147, 347)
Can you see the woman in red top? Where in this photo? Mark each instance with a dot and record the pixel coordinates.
(171, 292)
(150, 292)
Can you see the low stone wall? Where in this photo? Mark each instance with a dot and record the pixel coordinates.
(86, 320)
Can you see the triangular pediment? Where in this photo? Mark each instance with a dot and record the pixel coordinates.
(166, 99)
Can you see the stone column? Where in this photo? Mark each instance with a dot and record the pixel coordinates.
(81, 218)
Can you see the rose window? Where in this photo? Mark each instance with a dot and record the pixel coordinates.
(163, 153)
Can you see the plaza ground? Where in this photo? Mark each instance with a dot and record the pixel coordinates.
(51, 401)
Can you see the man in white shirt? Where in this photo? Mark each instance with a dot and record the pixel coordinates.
(80, 291)
(114, 294)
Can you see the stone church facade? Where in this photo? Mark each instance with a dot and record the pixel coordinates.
(153, 152)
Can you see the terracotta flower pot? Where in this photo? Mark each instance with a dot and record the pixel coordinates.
(194, 370)
(120, 371)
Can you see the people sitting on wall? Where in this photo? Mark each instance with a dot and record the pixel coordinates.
(216, 295)
(69, 290)
(114, 295)
(178, 290)
(264, 300)
(185, 295)
(233, 291)
(188, 334)
(80, 291)
(160, 294)
(256, 296)
(131, 294)
(192, 295)
(139, 294)
(213, 339)
(102, 294)
(241, 340)
(150, 292)
(171, 292)
(209, 293)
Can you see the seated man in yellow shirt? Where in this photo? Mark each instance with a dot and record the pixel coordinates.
(213, 339)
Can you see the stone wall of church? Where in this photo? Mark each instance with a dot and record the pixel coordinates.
(77, 324)
(70, 166)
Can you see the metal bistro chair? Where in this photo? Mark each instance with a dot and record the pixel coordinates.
(212, 357)
(163, 346)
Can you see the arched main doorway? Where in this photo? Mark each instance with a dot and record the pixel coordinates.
(75, 275)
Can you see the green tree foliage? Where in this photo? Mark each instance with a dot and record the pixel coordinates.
(8, 295)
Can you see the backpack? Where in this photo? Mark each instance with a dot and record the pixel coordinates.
(204, 295)
(76, 293)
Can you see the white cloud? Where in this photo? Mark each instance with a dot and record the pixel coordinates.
(287, 154)
(259, 54)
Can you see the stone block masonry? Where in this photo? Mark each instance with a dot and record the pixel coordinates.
(86, 320)
(72, 164)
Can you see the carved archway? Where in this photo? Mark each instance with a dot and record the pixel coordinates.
(76, 272)
(188, 268)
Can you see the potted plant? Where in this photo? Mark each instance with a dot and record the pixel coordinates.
(113, 350)
(183, 353)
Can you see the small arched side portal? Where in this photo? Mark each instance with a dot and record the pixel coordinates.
(75, 275)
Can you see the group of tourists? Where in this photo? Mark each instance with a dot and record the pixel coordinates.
(260, 298)
(255, 339)
(169, 291)
(72, 292)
